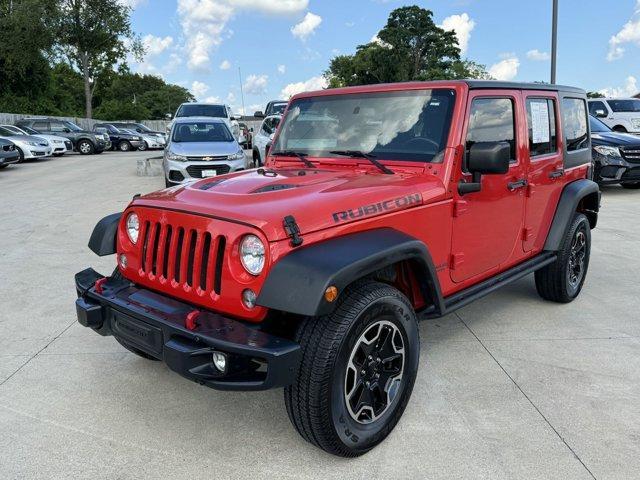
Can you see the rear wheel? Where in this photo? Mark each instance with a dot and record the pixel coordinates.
(124, 146)
(85, 147)
(562, 280)
(357, 372)
(631, 186)
(143, 147)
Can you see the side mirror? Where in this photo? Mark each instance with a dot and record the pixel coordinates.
(66, 130)
(601, 113)
(485, 158)
(258, 114)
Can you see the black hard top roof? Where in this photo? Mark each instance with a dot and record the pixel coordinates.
(484, 84)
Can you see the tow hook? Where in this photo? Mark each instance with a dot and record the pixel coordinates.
(191, 322)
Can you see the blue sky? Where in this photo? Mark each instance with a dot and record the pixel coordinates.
(284, 46)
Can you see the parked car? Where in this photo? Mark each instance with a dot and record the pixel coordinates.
(274, 107)
(616, 156)
(28, 146)
(8, 153)
(152, 139)
(245, 135)
(120, 140)
(211, 110)
(312, 273)
(148, 141)
(201, 147)
(620, 114)
(83, 141)
(60, 145)
(262, 139)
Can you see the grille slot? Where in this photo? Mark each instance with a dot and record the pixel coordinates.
(189, 257)
(631, 154)
(195, 171)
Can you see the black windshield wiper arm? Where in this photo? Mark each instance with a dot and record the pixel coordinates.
(368, 156)
(301, 156)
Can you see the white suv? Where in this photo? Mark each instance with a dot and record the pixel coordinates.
(619, 114)
(262, 139)
(211, 110)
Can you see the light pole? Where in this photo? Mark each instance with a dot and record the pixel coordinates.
(554, 41)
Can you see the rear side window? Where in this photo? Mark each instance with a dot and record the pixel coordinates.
(57, 127)
(574, 117)
(541, 120)
(41, 125)
(492, 120)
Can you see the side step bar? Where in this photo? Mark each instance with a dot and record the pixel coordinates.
(468, 295)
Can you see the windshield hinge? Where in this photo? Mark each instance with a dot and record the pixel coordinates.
(292, 230)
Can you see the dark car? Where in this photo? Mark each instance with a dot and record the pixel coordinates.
(84, 141)
(158, 139)
(8, 153)
(123, 141)
(274, 107)
(247, 133)
(616, 156)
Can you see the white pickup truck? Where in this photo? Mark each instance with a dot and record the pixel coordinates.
(619, 114)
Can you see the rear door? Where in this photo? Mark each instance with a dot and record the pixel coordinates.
(487, 226)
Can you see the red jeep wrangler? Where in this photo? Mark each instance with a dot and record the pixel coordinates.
(377, 206)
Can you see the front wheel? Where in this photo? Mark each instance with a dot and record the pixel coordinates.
(357, 372)
(124, 146)
(143, 147)
(21, 153)
(631, 186)
(562, 280)
(85, 147)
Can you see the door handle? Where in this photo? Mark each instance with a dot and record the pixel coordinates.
(557, 173)
(517, 184)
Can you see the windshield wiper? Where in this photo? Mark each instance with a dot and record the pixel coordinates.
(368, 156)
(301, 156)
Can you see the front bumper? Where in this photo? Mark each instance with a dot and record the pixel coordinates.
(155, 324)
(7, 158)
(186, 172)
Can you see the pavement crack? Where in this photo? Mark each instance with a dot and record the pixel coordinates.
(526, 397)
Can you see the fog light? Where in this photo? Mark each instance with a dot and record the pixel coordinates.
(249, 298)
(123, 261)
(220, 361)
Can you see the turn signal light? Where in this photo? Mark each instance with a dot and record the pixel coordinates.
(330, 294)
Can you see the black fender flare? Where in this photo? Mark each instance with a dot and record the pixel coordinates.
(297, 283)
(582, 191)
(103, 237)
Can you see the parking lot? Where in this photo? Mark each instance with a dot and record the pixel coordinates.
(509, 387)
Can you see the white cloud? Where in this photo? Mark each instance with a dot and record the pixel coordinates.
(231, 97)
(537, 55)
(630, 33)
(156, 45)
(225, 65)
(462, 25)
(199, 89)
(307, 26)
(314, 83)
(282, 69)
(629, 89)
(204, 23)
(212, 100)
(505, 69)
(256, 84)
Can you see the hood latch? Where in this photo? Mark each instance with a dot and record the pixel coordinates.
(292, 230)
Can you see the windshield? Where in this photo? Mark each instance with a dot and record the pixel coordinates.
(195, 110)
(597, 126)
(202, 132)
(13, 129)
(29, 130)
(624, 105)
(72, 126)
(408, 125)
(277, 109)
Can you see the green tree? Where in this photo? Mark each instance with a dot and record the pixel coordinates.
(594, 95)
(93, 36)
(409, 47)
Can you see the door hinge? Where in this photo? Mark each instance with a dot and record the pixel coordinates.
(292, 230)
(457, 259)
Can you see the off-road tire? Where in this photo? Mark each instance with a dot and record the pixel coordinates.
(631, 186)
(85, 147)
(134, 350)
(124, 146)
(316, 401)
(553, 281)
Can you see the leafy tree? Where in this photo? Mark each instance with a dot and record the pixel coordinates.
(121, 110)
(93, 36)
(594, 95)
(409, 47)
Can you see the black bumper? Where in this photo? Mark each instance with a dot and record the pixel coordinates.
(155, 324)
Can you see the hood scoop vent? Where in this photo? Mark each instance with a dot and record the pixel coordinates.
(274, 187)
(210, 185)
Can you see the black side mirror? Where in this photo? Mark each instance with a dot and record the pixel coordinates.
(258, 114)
(601, 113)
(485, 158)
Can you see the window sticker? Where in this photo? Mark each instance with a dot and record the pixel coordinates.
(540, 122)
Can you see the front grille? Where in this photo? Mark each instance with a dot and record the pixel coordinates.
(207, 158)
(185, 257)
(631, 154)
(195, 171)
(631, 174)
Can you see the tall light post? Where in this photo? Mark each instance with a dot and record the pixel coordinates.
(554, 41)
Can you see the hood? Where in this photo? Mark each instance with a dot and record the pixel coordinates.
(317, 199)
(203, 149)
(614, 139)
(27, 138)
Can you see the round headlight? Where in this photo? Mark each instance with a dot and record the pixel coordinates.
(252, 254)
(133, 227)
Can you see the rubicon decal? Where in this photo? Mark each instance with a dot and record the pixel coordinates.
(377, 208)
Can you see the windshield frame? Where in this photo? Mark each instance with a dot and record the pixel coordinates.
(384, 156)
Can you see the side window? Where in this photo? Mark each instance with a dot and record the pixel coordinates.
(492, 120)
(41, 125)
(574, 117)
(541, 119)
(57, 127)
(595, 106)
